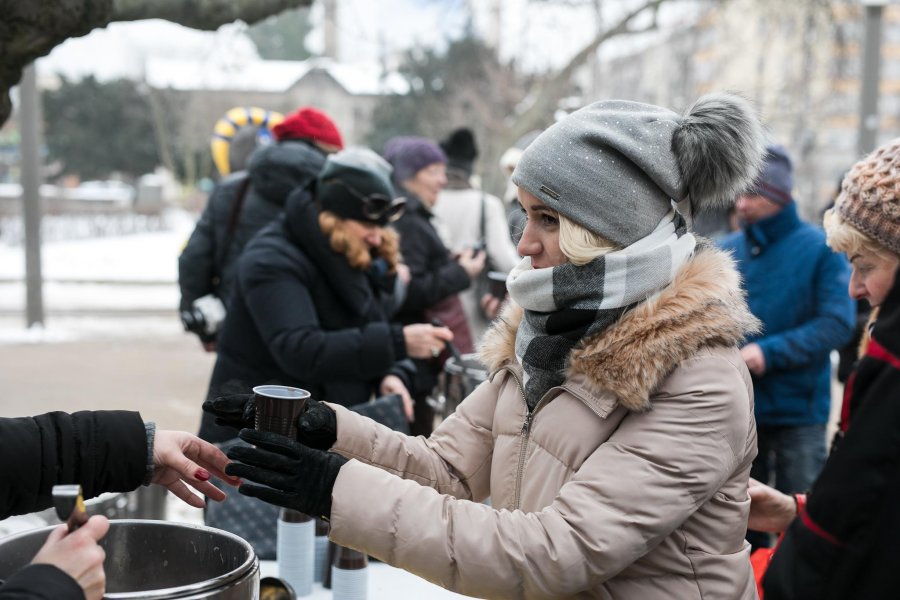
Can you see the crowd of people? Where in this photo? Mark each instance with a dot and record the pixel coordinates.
(652, 392)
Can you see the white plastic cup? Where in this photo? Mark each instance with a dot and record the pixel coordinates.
(296, 554)
(349, 584)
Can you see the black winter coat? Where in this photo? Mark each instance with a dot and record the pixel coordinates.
(845, 545)
(104, 451)
(208, 263)
(301, 315)
(434, 277)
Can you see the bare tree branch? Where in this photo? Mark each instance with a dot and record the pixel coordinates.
(30, 30)
(201, 14)
(548, 94)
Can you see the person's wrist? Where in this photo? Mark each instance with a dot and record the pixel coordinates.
(398, 341)
(150, 428)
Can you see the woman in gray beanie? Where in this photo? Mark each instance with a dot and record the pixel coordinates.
(615, 435)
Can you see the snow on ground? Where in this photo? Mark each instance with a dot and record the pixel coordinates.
(139, 257)
(115, 286)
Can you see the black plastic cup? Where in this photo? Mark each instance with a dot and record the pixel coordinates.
(277, 408)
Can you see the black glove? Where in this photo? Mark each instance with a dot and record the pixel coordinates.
(316, 425)
(237, 410)
(293, 475)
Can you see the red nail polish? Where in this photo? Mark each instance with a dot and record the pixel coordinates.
(202, 474)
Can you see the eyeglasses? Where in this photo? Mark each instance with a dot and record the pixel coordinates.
(375, 206)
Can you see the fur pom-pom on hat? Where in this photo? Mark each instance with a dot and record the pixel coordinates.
(615, 167)
(719, 147)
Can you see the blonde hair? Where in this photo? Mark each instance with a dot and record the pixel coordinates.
(354, 249)
(842, 236)
(579, 245)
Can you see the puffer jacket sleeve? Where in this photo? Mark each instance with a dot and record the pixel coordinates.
(634, 490)
(278, 298)
(455, 460)
(830, 326)
(41, 582)
(104, 451)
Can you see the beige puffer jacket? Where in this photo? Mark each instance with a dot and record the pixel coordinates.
(629, 481)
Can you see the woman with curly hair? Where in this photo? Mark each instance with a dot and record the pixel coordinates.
(312, 295)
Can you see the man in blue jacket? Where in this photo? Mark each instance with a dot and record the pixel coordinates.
(797, 287)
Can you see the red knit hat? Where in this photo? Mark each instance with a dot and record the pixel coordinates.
(309, 124)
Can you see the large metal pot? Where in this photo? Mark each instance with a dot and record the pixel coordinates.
(156, 560)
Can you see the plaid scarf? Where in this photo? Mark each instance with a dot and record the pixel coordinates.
(568, 303)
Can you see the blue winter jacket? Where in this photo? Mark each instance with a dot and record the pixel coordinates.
(797, 287)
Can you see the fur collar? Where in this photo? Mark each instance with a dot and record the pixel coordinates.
(704, 306)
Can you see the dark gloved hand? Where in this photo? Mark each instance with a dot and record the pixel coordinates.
(316, 425)
(292, 475)
(237, 410)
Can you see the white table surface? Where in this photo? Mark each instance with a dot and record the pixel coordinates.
(385, 583)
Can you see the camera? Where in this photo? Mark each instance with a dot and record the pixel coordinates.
(205, 317)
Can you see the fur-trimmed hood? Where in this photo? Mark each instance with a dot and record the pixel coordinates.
(704, 306)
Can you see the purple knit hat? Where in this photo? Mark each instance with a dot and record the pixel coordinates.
(409, 154)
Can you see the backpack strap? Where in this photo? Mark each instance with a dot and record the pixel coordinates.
(233, 216)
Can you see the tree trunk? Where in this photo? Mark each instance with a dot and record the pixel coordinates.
(30, 29)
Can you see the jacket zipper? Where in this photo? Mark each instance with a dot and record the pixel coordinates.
(525, 433)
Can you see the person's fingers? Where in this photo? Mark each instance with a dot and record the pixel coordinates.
(207, 489)
(186, 468)
(211, 458)
(57, 534)
(178, 450)
(210, 491)
(442, 334)
(756, 494)
(408, 407)
(95, 528)
(181, 491)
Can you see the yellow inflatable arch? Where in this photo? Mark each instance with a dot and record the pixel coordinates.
(235, 119)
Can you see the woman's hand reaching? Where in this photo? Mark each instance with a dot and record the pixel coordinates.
(182, 459)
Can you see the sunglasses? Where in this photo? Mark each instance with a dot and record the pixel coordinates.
(375, 206)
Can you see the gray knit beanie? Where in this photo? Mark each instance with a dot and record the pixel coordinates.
(615, 166)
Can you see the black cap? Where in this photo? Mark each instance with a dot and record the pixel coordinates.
(356, 184)
(460, 149)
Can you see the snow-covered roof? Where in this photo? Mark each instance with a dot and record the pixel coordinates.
(275, 76)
